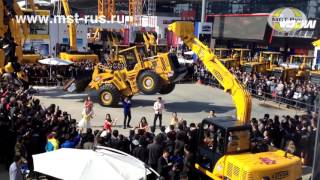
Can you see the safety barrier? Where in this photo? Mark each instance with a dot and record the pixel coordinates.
(279, 100)
(47, 81)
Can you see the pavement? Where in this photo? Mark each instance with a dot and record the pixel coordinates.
(192, 102)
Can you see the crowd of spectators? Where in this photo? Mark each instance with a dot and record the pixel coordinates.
(39, 74)
(27, 128)
(294, 93)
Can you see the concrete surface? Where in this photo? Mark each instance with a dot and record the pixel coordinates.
(191, 101)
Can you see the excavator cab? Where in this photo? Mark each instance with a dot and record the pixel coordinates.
(224, 151)
(219, 137)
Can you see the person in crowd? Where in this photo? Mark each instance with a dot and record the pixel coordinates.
(52, 142)
(15, 169)
(188, 163)
(141, 151)
(108, 123)
(175, 172)
(164, 165)
(88, 103)
(115, 141)
(174, 119)
(211, 114)
(88, 139)
(158, 107)
(87, 115)
(127, 112)
(155, 150)
(68, 143)
(143, 125)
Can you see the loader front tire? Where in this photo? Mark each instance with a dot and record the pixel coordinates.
(149, 82)
(109, 95)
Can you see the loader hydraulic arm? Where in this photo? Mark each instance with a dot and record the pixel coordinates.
(71, 27)
(241, 97)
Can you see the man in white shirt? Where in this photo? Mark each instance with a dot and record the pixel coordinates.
(158, 108)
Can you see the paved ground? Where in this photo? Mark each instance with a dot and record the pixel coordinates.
(191, 101)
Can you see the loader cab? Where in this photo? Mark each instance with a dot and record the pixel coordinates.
(222, 53)
(241, 55)
(301, 61)
(271, 58)
(268, 60)
(303, 65)
(315, 77)
(129, 57)
(219, 137)
(225, 56)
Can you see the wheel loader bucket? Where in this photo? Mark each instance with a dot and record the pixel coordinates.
(182, 28)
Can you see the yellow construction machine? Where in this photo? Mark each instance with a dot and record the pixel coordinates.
(225, 55)
(302, 64)
(315, 74)
(266, 62)
(30, 55)
(242, 55)
(131, 72)
(229, 155)
(72, 53)
(149, 41)
(11, 41)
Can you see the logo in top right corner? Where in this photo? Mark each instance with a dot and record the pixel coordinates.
(287, 19)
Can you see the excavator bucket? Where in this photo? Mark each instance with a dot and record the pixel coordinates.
(182, 28)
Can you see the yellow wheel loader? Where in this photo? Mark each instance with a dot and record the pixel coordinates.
(225, 55)
(129, 73)
(242, 55)
(267, 60)
(303, 65)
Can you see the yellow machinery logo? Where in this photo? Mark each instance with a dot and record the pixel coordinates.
(287, 19)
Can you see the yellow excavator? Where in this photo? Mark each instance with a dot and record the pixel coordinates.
(11, 41)
(73, 54)
(30, 55)
(229, 155)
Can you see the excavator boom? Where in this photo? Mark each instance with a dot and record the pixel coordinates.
(241, 97)
(71, 27)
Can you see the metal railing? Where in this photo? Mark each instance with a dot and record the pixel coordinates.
(266, 96)
(47, 81)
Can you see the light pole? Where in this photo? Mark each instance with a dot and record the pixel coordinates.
(203, 11)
